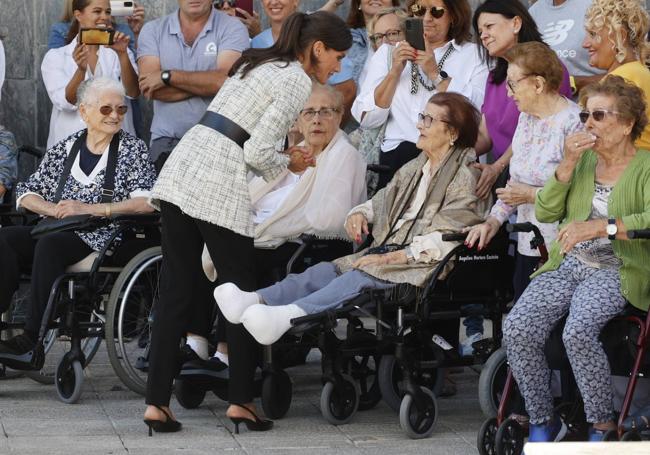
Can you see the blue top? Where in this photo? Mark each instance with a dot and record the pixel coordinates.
(59, 32)
(163, 38)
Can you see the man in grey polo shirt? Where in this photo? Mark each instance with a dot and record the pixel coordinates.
(183, 60)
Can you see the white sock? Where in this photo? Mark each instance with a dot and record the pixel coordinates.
(268, 323)
(233, 301)
(199, 345)
(221, 356)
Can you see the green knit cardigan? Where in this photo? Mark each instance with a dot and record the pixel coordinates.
(629, 201)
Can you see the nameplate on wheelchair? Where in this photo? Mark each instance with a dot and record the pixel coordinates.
(478, 258)
(440, 341)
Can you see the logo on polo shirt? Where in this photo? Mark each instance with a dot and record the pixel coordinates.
(556, 32)
(211, 48)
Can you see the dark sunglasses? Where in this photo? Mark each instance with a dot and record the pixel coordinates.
(420, 11)
(598, 115)
(219, 3)
(108, 110)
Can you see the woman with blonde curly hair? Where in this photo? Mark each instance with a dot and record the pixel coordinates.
(616, 41)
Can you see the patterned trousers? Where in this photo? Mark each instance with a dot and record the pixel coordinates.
(591, 297)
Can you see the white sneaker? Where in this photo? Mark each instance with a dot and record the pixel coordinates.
(466, 348)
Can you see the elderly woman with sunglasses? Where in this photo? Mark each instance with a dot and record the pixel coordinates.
(401, 78)
(546, 119)
(600, 191)
(102, 107)
(616, 41)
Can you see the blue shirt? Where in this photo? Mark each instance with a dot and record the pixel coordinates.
(265, 39)
(163, 38)
(59, 33)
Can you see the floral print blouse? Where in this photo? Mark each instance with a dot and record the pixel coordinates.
(134, 177)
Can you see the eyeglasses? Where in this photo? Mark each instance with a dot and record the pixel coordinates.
(598, 115)
(326, 113)
(391, 36)
(426, 119)
(512, 85)
(108, 110)
(219, 3)
(436, 11)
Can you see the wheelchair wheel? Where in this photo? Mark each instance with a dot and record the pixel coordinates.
(415, 423)
(129, 317)
(188, 395)
(485, 441)
(610, 436)
(509, 438)
(630, 436)
(277, 392)
(390, 379)
(492, 382)
(338, 404)
(364, 369)
(69, 378)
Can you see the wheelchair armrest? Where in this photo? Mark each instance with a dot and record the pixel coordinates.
(454, 236)
(378, 168)
(36, 152)
(146, 219)
(639, 234)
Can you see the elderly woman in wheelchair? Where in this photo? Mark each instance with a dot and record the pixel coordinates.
(431, 195)
(599, 192)
(99, 171)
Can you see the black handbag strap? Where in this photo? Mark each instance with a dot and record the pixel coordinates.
(109, 176)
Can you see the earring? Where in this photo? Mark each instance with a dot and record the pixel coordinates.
(451, 142)
(620, 55)
(359, 8)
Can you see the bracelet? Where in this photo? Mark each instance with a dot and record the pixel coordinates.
(107, 210)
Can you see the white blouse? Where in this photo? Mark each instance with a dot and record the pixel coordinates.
(57, 69)
(468, 76)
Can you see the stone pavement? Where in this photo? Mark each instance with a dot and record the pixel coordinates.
(108, 420)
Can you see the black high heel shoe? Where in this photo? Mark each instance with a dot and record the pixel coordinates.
(168, 426)
(253, 425)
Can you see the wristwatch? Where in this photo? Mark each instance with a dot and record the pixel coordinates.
(442, 75)
(166, 77)
(612, 229)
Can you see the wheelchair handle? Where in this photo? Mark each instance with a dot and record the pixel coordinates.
(537, 242)
(639, 234)
(454, 236)
(378, 168)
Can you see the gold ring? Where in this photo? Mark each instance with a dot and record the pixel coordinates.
(576, 145)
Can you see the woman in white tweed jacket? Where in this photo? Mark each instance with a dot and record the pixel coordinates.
(203, 196)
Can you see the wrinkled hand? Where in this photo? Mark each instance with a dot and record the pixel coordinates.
(483, 232)
(69, 208)
(402, 53)
(136, 20)
(516, 193)
(120, 43)
(575, 145)
(80, 56)
(356, 225)
(394, 257)
(579, 231)
(426, 60)
(300, 158)
(149, 83)
(489, 175)
(251, 21)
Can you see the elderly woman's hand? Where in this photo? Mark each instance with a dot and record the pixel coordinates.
(576, 143)
(136, 20)
(394, 257)
(516, 193)
(489, 175)
(482, 233)
(70, 208)
(579, 231)
(300, 158)
(355, 225)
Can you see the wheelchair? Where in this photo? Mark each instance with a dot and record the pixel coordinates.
(74, 322)
(626, 341)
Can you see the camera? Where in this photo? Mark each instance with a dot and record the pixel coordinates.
(122, 8)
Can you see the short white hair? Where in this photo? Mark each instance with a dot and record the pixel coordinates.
(89, 91)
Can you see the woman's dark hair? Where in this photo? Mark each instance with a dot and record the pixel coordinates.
(462, 116)
(509, 9)
(461, 17)
(355, 16)
(77, 5)
(629, 98)
(299, 31)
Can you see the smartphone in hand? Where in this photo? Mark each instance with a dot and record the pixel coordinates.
(96, 36)
(415, 33)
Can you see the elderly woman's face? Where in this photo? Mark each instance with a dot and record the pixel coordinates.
(498, 33)
(601, 48)
(521, 87)
(319, 120)
(387, 30)
(436, 29)
(279, 10)
(435, 133)
(610, 130)
(95, 15)
(104, 114)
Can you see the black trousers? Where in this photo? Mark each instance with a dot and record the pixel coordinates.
(524, 268)
(46, 259)
(395, 159)
(232, 254)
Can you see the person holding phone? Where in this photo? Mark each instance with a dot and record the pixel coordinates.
(402, 78)
(65, 68)
(243, 10)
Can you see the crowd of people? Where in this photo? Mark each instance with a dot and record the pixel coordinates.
(260, 136)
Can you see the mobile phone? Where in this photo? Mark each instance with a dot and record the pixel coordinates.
(96, 36)
(415, 33)
(122, 8)
(246, 5)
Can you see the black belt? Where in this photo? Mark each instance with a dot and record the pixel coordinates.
(226, 127)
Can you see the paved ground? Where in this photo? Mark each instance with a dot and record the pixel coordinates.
(107, 420)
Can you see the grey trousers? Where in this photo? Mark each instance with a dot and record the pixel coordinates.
(320, 288)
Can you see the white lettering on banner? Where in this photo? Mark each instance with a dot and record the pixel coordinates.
(486, 257)
(556, 32)
(211, 48)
